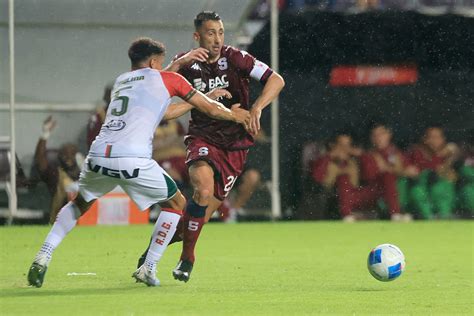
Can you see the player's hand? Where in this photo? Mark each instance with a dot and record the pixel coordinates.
(255, 115)
(217, 93)
(241, 116)
(199, 54)
(48, 125)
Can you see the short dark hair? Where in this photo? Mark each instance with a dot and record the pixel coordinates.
(334, 137)
(376, 124)
(142, 48)
(205, 16)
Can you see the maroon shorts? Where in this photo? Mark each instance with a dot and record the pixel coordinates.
(227, 164)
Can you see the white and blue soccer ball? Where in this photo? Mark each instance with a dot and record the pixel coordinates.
(386, 262)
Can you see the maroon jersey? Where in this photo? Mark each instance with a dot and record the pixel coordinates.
(232, 71)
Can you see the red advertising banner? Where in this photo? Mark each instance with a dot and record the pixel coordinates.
(373, 75)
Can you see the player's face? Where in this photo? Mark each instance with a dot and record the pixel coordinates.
(211, 37)
(344, 142)
(156, 61)
(381, 137)
(434, 139)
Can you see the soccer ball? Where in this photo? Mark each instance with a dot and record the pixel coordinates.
(386, 262)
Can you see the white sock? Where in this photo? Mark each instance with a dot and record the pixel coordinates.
(164, 230)
(65, 222)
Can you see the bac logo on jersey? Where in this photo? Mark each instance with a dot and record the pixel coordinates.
(218, 82)
(222, 63)
(113, 172)
(199, 84)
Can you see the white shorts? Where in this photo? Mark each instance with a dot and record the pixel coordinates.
(145, 182)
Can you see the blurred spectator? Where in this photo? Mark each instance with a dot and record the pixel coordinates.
(61, 177)
(169, 151)
(382, 166)
(97, 119)
(365, 5)
(434, 189)
(338, 161)
(466, 180)
(338, 168)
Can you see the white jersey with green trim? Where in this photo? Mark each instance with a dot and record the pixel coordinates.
(139, 100)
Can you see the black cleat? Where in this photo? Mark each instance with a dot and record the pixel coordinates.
(141, 260)
(36, 274)
(182, 272)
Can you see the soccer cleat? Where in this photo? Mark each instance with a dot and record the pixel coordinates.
(182, 272)
(141, 260)
(146, 276)
(36, 274)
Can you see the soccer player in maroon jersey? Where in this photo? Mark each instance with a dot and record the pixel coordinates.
(216, 150)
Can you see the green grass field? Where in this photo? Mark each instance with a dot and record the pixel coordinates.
(247, 269)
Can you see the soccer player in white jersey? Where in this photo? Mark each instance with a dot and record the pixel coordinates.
(121, 154)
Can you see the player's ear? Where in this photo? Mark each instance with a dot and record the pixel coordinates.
(196, 36)
(156, 62)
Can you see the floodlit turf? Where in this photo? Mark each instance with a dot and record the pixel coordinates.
(247, 269)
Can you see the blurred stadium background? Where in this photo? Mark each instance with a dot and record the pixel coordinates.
(66, 52)
(348, 65)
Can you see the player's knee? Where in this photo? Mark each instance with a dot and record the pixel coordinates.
(81, 204)
(202, 196)
(178, 202)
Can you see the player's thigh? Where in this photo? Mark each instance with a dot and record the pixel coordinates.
(201, 175)
(95, 179)
(146, 183)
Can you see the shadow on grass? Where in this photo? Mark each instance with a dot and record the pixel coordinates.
(370, 289)
(44, 292)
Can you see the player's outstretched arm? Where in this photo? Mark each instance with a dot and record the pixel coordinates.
(178, 109)
(199, 54)
(40, 153)
(218, 111)
(271, 90)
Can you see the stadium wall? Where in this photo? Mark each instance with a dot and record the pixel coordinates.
(67, 52)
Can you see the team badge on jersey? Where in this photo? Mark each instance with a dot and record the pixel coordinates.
(115, 125)
(222, 63)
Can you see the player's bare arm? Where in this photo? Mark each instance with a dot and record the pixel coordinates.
(198, 54)
(218, 111)
(178, 109)
(271, 90)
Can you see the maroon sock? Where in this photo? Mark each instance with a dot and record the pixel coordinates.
(193, 221)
